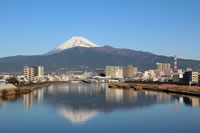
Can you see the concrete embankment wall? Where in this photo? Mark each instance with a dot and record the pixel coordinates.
(6, 86)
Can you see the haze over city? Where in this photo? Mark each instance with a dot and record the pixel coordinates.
(164, 27)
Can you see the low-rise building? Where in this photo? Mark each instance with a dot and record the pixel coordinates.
(100, 72)
(199, 76)
(177, 77)
(2, 81)
(191, 76)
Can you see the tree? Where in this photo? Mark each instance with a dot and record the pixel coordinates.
(13, 80)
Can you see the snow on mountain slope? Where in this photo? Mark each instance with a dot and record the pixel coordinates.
(73, 42)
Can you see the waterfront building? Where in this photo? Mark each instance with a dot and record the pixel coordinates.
(129, 71)
(100, 72)
(30, 72)
(2, 81)
(199, 76)
(40, 71)
(114, 71)
(177, 76)
(191, 76)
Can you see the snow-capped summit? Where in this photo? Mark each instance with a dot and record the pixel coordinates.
(73, 42)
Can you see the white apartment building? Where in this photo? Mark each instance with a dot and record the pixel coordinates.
(114, 71)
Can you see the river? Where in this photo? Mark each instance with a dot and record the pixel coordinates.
(94, 108)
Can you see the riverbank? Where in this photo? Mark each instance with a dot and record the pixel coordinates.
(23, 89)
(26, 88)
(178, 89)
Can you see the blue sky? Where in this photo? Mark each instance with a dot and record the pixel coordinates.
(164, 27)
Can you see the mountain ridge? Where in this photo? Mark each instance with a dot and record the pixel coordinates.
(95, 57)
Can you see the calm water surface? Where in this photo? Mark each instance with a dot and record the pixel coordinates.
(94, 108)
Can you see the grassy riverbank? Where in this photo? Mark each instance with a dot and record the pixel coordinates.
(23, 89)
(179, 89)
(14, 93)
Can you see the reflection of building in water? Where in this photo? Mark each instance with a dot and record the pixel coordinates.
(114, 95)
(188, 100)
(1, 102)
(40, 94)
(118, 95)
(130, 94)
(192, 101)
(28, 100)
(77, 88)
(195, 102)
(78, 116)
(160, 96)
(181, 99)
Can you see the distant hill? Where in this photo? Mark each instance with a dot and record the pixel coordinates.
(89, 58)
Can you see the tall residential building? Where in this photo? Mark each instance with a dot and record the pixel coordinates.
(32, 71)
(29, 73)
(164, 67)
(40, 71)
(114, 71)
(129, 71)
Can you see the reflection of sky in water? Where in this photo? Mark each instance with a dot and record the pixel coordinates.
(90, 104)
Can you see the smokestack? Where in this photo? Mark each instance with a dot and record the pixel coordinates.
(175, 63)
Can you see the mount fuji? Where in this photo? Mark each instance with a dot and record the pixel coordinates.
(73, 42)
(79, 53)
